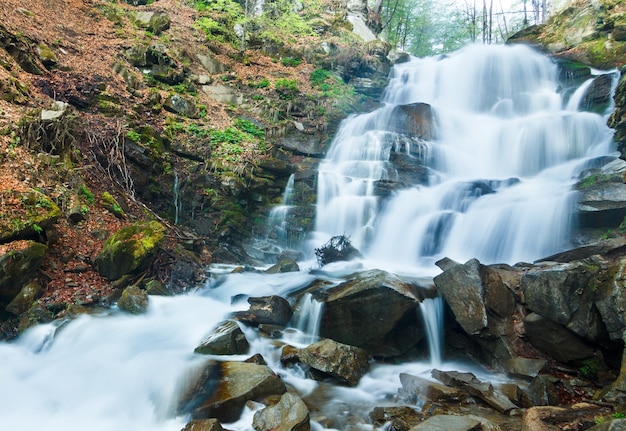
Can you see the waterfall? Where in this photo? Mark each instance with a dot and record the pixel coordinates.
(432, 314)
(502, 157)
(177, 202)
(474, 154)
(278, 215)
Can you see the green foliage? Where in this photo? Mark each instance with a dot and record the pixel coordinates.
(263, 83)
(619, 415)
(319, 76)
(249, 127)
(86, 194)
(38, 229)
(286, 88)
(291, 61)
(134, 136)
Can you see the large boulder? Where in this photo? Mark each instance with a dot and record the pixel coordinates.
(25, 297)
(449, 423)
(289, 414)
(480, 301)
(129, 250)
(610, 300)
(346, 363)
(374, 310)
(564, 293)
(555, 340)
(19, 266)
(272, 310)
(221, 389)
(226, 339)
(25, 215)
(416, 120)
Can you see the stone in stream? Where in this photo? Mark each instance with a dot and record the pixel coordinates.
(346, 363)
(221, 389)
(449, 423)
(204, 425)
(483, 390)
(226, 339)
(375, 311)
(272, 310)
(289, 414)
(429, 391)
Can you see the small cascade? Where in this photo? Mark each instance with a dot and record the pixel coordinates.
(277, 223)
(178, 205)
(432, 314)
(308, 321)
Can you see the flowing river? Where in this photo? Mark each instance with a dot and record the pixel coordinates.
(509, 146)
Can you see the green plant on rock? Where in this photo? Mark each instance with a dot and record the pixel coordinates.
(286, 88)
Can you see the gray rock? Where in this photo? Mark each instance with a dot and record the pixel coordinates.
(429, 391)
(272, 310)
(155, 21)
(210, 64)
(611, 425)
(448, 423)
(482, 304)
(611, 301)
(526, 367)
(134, 300)
(563, 293)
(374, 310)
(598, 94)
(289, 414)
(226, 339)
(483, 390)
(284, 265)
(181, 105)
(555, 340)
(220, 390)
(603, 203)
(223, 94)
(346, 363)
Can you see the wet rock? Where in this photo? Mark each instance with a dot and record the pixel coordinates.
(482, 304)
(284, 265)
(204, 425)
(221, 389)
(272, 310)
(226, 339)
(449, 423)
(346, 363)
(134, 300)
(19, 266)
(129, 250)
(157, 288)
(289, 414)
(416, 120)
(400, 418)
(555, 340)
(483, 390)
(429, 391)
(563, 293)
(374, 310)
(598, 94)
(25, 298)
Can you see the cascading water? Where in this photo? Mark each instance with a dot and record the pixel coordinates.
(506, 150)
(278, 215)
(499, 164)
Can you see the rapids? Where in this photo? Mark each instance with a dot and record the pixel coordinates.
(502, 122)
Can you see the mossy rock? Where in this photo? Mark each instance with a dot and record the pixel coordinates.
(129, 250)
(25, 298)
(19, 266)
(111, 205)
(134, 300)
(24, 215)
(47, 57)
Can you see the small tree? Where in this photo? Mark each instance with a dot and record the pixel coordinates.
(338, 248)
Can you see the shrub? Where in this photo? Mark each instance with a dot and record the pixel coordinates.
(338, 248)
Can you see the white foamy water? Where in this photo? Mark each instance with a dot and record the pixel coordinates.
(507, 153)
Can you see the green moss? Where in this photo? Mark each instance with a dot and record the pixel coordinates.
(109, 202)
